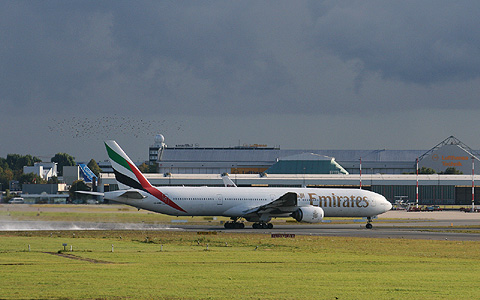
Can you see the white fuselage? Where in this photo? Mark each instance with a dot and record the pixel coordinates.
(235, 201)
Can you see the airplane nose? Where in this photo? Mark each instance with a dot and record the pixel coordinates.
(384, 203)
(388, 205)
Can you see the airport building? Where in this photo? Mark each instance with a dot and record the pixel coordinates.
(45, 170)
(257, 159)
(391, 173)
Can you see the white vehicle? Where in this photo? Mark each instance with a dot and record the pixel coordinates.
(254, 204)
(16, 200)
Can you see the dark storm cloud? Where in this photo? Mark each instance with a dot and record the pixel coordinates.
(232, 57)
(157, 54)
(201, 52)
(51, 52)
(423, 42)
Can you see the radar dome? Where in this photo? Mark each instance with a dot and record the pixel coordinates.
(159, 139)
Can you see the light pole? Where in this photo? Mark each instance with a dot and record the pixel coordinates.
(360, 172)
(416, 189)
(473, 184)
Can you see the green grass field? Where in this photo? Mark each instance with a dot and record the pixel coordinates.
(177, 265)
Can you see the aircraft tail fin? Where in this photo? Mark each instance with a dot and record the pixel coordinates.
(126, 173)
(129, 176)
(227, 181)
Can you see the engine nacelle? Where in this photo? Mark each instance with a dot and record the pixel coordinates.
(308, 214)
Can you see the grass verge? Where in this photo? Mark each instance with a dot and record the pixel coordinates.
(181, 265)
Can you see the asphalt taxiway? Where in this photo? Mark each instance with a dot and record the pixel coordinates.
(443, 225)
(439, 225)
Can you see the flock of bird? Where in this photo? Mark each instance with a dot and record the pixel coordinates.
(108, 126)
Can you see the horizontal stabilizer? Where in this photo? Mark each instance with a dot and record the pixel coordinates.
(128, 194)
(90, 193)
(132, 194)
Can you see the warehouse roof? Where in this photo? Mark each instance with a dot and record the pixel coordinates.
(306, 163)
(274, 154)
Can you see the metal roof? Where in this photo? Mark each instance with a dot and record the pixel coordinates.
(272, 155)
(220, 155)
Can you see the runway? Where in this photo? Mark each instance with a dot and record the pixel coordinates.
(444, 225)
(458, 226)
(348, 230)
(441, 225)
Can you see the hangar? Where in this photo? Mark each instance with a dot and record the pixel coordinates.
(256, 159)
(388, 172)
(450, 153)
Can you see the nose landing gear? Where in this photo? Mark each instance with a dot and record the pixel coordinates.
(369, 223)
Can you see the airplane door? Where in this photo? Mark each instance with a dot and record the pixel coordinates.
(219, 199)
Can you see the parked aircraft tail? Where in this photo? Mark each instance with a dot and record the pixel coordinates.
(227, 181)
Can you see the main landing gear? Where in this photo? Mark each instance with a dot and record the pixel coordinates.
(262, 225)
(369, 223)
(234, 224)
(238, 225)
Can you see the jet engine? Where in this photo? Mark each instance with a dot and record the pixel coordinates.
(308, 214)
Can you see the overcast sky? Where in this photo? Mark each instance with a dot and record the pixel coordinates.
(298, 74)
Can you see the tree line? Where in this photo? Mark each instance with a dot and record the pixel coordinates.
(448, 171)
(11, 168)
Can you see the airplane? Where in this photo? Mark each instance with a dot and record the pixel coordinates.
(253, 204)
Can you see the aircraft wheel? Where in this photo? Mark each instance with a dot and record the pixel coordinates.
(255, 226)
(270, 226)
(369, 226)
(227, 225)
(264, 226)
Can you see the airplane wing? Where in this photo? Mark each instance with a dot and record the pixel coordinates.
(286, 204)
